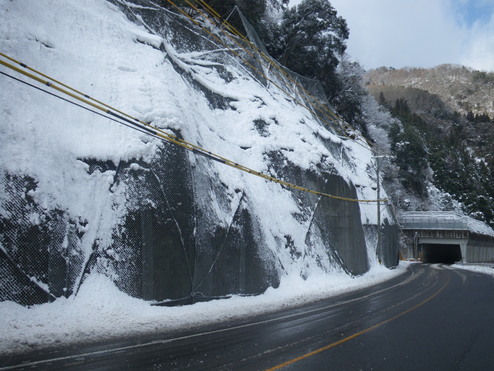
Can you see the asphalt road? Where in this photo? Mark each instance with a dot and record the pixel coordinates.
(432, 318)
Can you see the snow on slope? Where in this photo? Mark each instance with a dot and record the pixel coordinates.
(42, 136)
(92, 46)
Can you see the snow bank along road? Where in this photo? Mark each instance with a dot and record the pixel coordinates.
(434, 317)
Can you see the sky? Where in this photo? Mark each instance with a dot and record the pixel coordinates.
(419, 33)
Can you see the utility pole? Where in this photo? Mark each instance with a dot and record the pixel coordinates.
(378, 189)
(378, 247)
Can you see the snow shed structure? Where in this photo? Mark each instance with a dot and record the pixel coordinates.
(446, 237)
(163, 222)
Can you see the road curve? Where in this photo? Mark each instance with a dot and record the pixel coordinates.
(434, 317)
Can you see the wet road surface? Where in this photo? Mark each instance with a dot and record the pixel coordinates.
(434, 317)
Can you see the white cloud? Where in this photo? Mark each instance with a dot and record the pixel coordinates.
(421, 33)
(481, 51)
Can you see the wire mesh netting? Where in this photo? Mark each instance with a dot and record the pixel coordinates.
(309, 92)
(36, 245)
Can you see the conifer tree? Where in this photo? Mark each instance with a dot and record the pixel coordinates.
(310, 41)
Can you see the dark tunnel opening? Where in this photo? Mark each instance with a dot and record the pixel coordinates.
(435, 253)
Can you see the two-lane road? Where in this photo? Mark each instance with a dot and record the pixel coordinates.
(434, 317)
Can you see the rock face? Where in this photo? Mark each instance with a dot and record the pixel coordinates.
(162, 222)
(461, 88)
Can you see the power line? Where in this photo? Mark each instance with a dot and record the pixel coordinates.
(75, 104)
(121, 117)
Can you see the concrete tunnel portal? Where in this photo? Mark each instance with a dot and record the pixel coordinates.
(440, 253)
(445, 237)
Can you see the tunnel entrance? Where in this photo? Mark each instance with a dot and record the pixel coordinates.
(436, 253)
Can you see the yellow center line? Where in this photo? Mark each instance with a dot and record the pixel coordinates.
(332, 345)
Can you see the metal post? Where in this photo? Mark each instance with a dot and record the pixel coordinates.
(378, 247)
(378, 188)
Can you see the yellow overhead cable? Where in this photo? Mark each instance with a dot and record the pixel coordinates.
(107, 109)
(331, 115)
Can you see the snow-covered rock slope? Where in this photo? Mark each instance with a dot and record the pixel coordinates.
(83, 194)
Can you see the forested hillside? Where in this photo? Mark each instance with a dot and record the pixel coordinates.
(445, 133)
(463, 89)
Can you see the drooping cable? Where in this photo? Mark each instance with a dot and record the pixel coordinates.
(145, 127)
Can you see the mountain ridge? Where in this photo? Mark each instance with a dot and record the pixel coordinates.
(464, 89)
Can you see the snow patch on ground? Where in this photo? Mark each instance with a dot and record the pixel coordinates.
(484, 269)
(101, 311)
